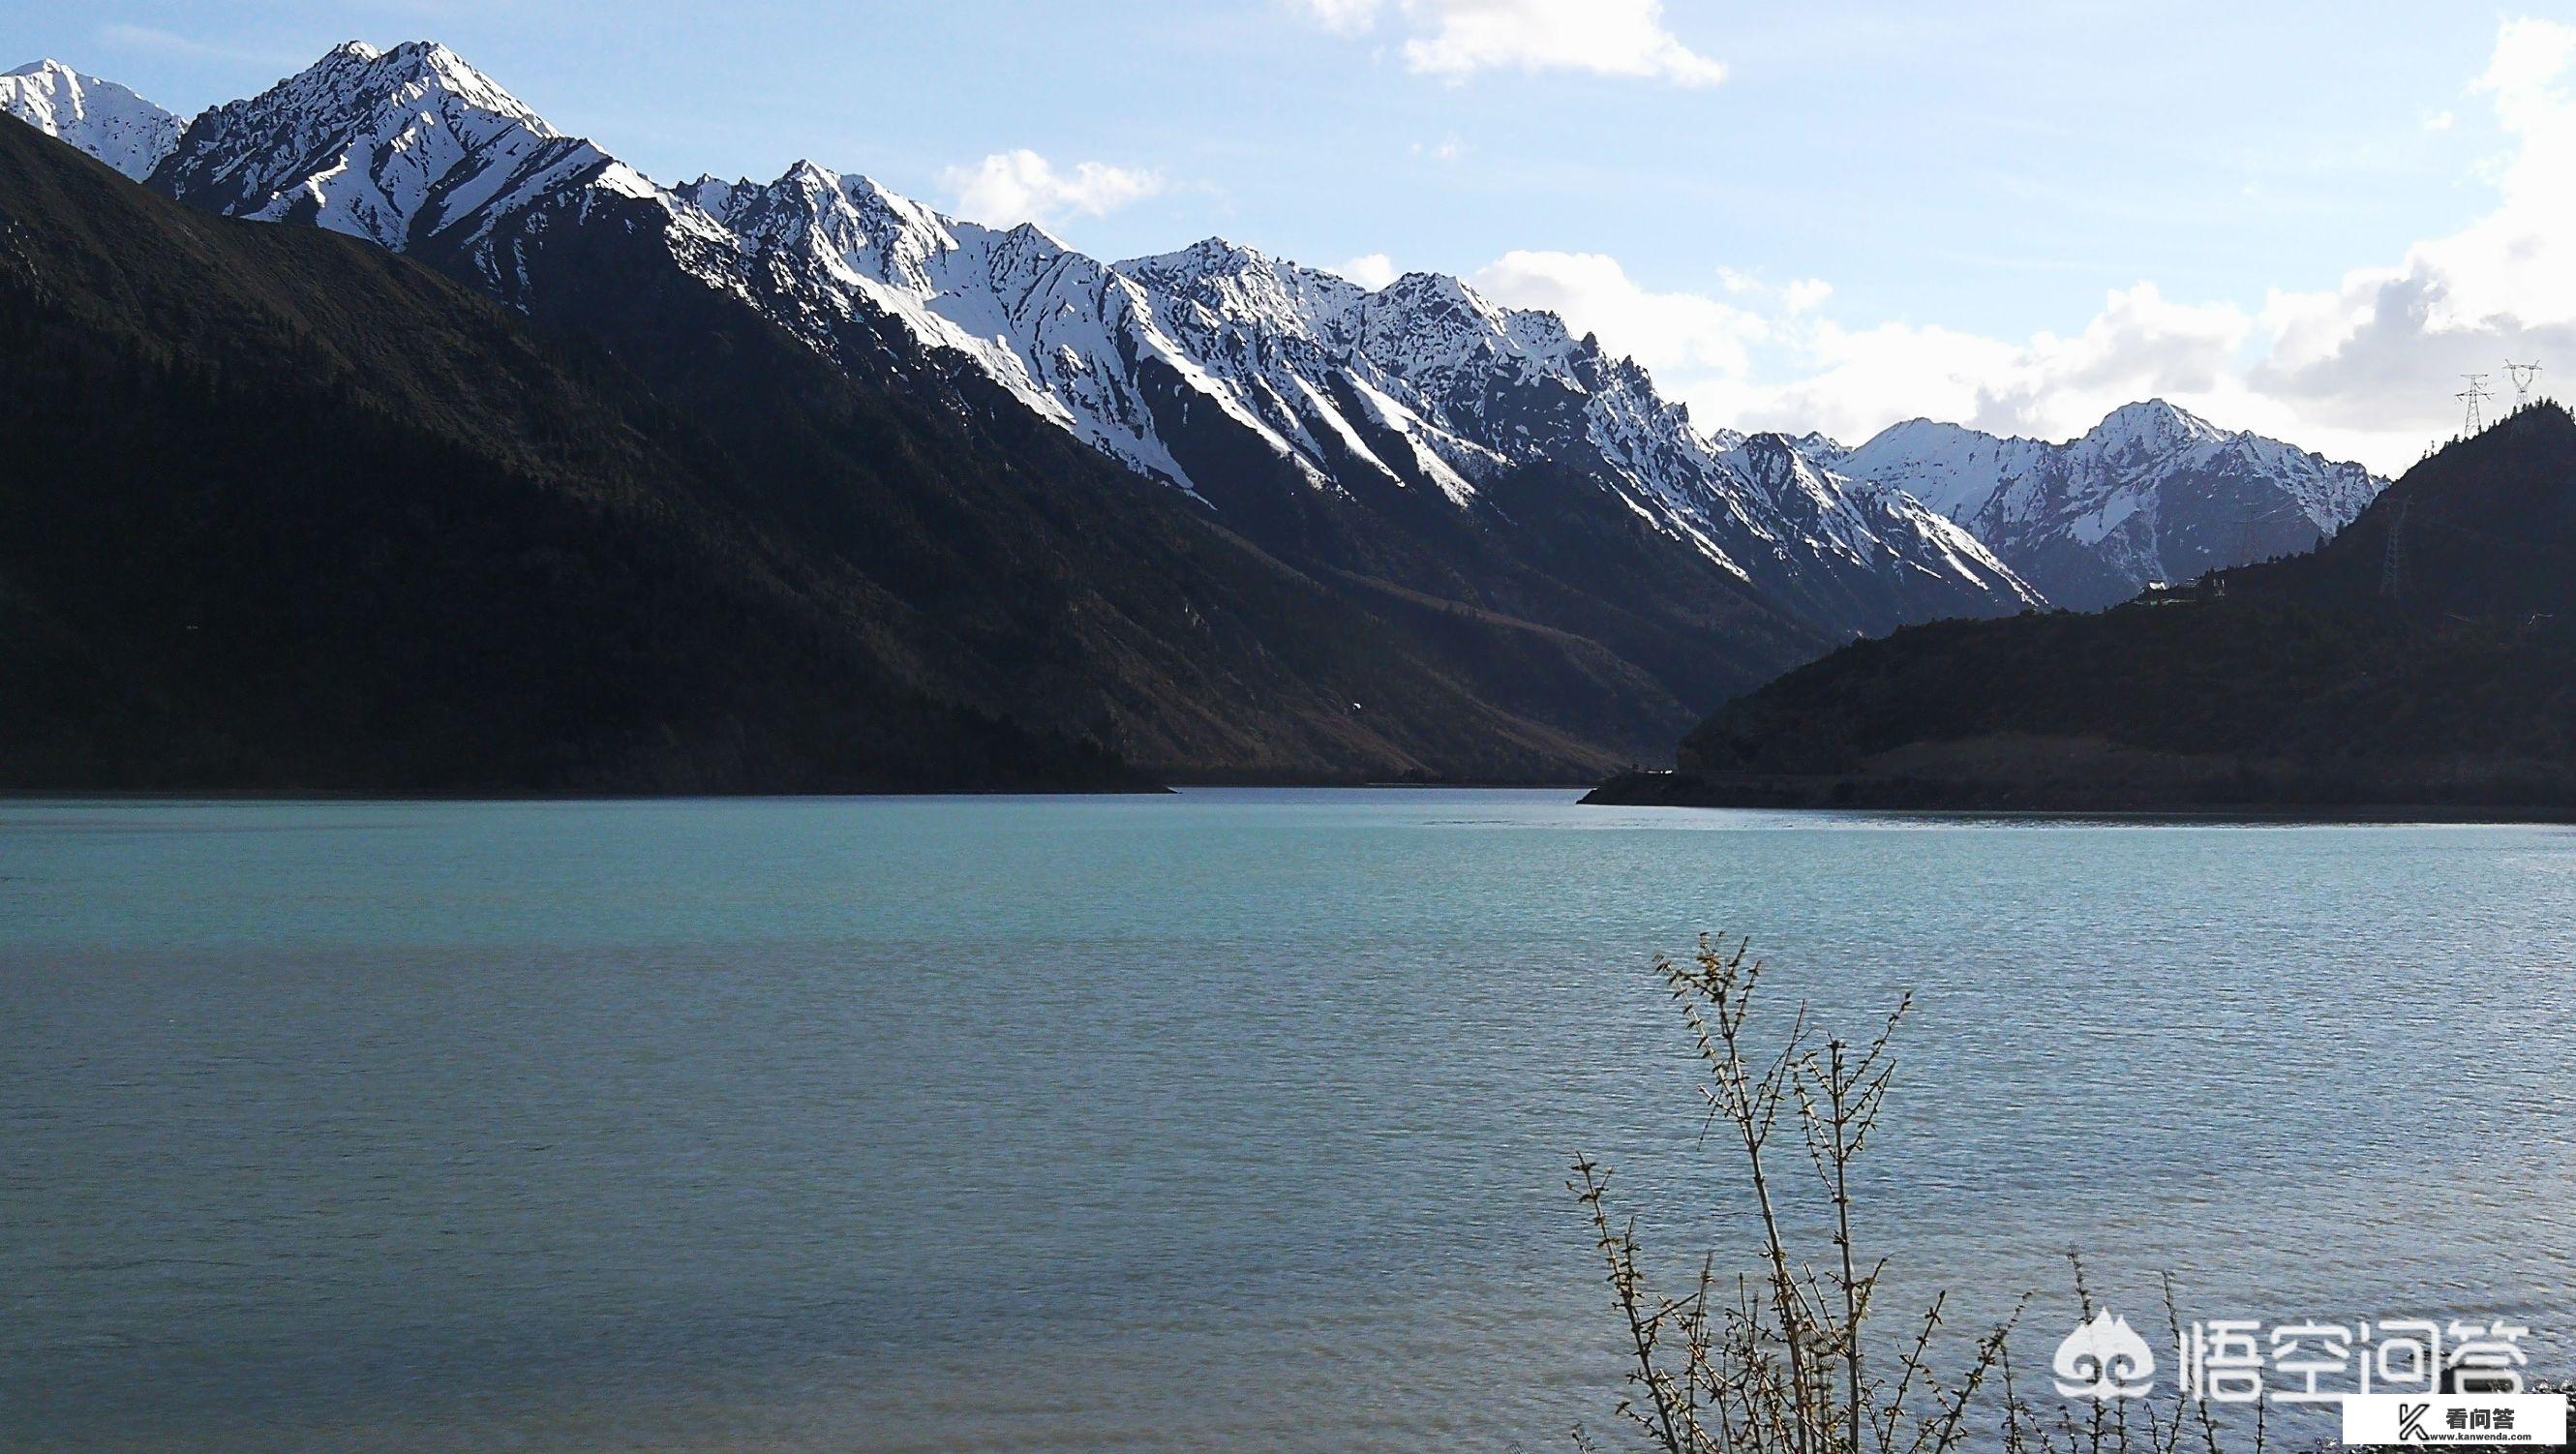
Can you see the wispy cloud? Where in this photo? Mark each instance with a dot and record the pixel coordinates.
(1022, 186)
(1685, 334)
(128, 36)
(1454, 39)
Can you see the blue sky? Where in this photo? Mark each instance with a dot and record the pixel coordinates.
(1906, 172)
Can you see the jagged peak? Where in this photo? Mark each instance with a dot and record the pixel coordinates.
(1219, 257)
(1032, 234)
(355, 77)
(1223, 283)
(843, 215)
(899, 222)
(424, 56)
(821, 187)
(1443, 316)
(1435, 294)
(382, 144)
(56, 73)
(1919, 426)
(1438, 286)
(100, 117)
(1773, 458)
(807, 175)
(2157, 409)
(712, 194)
(2155, 423)
(868, 191)
(1216, 249)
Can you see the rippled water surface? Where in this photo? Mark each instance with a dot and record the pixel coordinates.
(1231, 1118)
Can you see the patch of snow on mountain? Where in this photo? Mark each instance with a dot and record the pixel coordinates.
(102, 118)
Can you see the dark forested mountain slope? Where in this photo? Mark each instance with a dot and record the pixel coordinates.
(2442, 673)
(1498, 585)
(286, 510)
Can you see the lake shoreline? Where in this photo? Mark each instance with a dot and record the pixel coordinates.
(1164, 788)
(1857, 793)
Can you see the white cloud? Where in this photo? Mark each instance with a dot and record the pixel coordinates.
(1347, 17)
(2362, 370)
(2141, 344)
(1683, 334)
(2381, 351)
(1371, 270)
(1454, 39)
(128, 36)
(1806, 294)
(1022, 186)
(2440, 121)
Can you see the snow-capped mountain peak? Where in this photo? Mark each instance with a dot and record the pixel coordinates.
(1247, 287)
(850, 218)
(2150, 427)
(2153, 492)
(401, 147)
(1435, 322)
(102, 118)
(1825, 450)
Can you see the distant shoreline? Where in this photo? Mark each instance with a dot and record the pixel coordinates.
(503, 795)
(1853, 793)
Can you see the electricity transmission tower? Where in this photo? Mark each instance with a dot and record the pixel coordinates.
(2475, 394)
(2392, 564)
(2243, 546)
(2524, 375)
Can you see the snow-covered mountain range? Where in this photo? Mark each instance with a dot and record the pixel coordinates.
(2152, 493)
(1265, 390)
(1186, 365)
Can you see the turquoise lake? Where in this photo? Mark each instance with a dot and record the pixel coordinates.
(1224, 1119)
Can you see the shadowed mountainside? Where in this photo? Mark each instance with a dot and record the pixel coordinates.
(286, 511)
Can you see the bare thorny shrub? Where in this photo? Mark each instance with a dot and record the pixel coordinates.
(1774, 1360)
